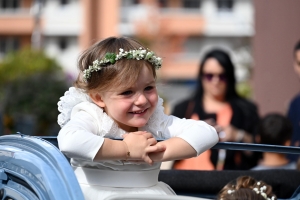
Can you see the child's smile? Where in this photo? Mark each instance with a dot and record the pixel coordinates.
(131, 108)
(139, 112)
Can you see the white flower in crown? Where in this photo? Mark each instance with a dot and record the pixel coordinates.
(111, 58)
(149, 55)
(263, 188)
(273, 198)
(256, 190)
(258, 183)
(264, 195)
(230, 191)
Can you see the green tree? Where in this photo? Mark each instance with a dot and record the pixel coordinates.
(30, 86)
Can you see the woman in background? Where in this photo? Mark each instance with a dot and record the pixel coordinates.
(217, 102)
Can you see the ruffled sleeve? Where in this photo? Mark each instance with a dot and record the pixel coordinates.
(84, 126)
(71, 98)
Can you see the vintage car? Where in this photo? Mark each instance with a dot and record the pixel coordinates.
(33, 168)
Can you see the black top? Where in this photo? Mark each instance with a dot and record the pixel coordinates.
(294, 116)
(245, 117)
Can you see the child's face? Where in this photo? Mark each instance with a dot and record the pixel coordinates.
(133, 106)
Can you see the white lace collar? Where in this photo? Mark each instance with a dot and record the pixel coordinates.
(74, 96)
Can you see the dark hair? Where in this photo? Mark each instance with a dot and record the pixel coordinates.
(274, 129)
(243, 188)
(224, 60)
(297, 47)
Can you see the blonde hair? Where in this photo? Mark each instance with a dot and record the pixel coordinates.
(111, 75)
(244, 189)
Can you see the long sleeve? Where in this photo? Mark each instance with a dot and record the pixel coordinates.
(77, 139)
(198, 134)
(84, 134)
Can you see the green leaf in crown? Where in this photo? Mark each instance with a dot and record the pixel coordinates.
(111, 57)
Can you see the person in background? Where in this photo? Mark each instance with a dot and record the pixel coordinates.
(246, 188)
(275, 129)
(217, 102)
(294, 108)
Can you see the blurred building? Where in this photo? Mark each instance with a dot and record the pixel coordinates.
(16, 25)
(180, 31)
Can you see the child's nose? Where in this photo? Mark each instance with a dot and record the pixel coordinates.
(141, 99)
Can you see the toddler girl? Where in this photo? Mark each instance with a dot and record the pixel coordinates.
(115, 97)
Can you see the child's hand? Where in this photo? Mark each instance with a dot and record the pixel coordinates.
(140, 144)
(159, 148)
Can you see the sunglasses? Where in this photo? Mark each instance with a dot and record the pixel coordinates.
(209, 77)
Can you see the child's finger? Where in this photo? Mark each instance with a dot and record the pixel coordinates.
(148, 160)
(139, 132)
(152, 141)
(148, 135)
(144, 133)
(158, 148)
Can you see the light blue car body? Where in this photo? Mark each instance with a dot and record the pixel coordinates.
(32, 168)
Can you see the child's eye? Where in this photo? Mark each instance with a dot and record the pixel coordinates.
(126, 93)
(149, 88)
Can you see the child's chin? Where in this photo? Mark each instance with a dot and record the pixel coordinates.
(139, 125)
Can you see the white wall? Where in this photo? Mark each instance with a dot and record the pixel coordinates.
(62, 22)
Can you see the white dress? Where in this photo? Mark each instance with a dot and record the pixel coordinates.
(84, 127)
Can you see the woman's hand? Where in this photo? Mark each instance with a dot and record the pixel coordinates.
(218, 128)
(228, 134)
(211, 121)
(140, 144)
(232, 134)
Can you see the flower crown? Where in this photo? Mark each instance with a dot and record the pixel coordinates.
(260, 190)
(111, 58)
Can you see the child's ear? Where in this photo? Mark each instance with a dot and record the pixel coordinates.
(97, 99)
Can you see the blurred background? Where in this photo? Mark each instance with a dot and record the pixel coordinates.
(40, 41)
